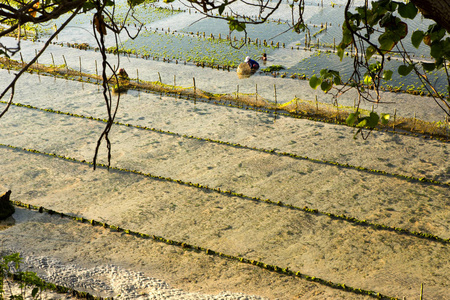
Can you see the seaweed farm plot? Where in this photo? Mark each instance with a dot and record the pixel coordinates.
(211, 198)
(175, 46)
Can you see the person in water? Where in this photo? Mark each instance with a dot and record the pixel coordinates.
(252, 63)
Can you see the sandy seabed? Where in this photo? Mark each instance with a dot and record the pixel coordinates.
(110, 264)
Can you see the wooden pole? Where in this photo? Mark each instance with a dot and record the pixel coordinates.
(79, 57)
(53, 59)
(159, 76)
(65, 62)
(275, 94)
(195, 91)
(395, 115)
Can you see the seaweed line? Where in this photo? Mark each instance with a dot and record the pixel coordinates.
(199, 249)
(305, 209)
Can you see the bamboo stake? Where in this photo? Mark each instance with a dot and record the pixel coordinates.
(195, 91)
(65, 62)
(53, 59)
(137, 75)
(395, 115)
(421, 291)
(237, 91)
(275, 94)
(256, 92)
(159, 76)
(317, 104)
(174, 81)
(79, 57)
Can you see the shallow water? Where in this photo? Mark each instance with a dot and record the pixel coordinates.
(182, 46)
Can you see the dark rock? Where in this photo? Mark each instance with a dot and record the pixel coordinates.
(6, 208)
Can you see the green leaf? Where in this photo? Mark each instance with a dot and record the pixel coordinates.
(367, 80)
(337, 80)
(221, 8)
(387, 20)
(371, 50)
(235, 25)
(428, 66)
(240, 26)
(352, 118)
(373, 120)
(436, 50)
(387, 42)
(408, 11)
(405, 69)
(334, 73)
(362, 122)
(326, 85)
(387, 75)
(385, 118)
(314, 82)
(340, 52)
(416, 38)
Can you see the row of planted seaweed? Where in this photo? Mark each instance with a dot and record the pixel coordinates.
(186, 247)
(298, 108)
(219, 51)
(237, 145)
(305, 209)
(272, 268)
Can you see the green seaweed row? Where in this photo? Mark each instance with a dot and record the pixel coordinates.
(306, 209)
(54, 287)
(237, 145)
(269, 111)
(199, 249)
